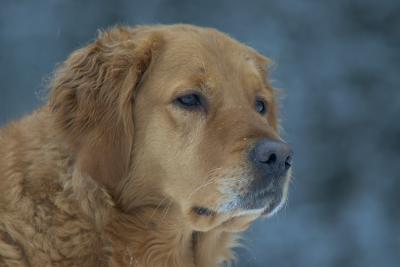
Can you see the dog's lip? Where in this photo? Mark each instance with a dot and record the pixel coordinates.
(274, 205)
(206, 212)
(261, 199)
(263, 202)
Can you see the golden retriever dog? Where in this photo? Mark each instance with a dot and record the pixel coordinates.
(156, 147)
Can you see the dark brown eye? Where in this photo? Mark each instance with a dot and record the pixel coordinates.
(190, 101)
(261, 107)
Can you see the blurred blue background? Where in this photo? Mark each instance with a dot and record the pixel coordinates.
(338, 63)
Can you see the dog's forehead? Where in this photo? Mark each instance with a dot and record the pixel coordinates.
(207, 48)
(214, 59)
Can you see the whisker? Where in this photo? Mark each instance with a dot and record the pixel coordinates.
(213, 180)
(158, 206)
(166, 210)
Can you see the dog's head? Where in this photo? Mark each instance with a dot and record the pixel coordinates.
(179, 113)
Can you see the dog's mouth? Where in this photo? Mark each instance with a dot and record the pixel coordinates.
(202, 211)
(238, 208)
(254, 205)
(237, 215)
(265, 200)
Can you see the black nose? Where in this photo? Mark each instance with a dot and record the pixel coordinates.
(272, 159)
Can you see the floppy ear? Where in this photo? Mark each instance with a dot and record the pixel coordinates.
(92, 97)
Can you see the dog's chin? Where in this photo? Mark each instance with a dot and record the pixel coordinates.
(236, 215)
(230, 222)
(263, 202)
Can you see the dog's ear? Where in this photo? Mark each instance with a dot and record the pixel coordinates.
(92, 96)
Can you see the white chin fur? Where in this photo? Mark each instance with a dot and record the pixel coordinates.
(249, 212)
(276, 209)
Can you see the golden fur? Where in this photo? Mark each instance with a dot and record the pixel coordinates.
(107, 172)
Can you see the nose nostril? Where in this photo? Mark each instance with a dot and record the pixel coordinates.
(272, 159)
(288, 162)
(271, 156)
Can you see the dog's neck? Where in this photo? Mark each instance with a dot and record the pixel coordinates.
(159, 236)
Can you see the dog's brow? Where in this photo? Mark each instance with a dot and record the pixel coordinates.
(202, 80)
(266, 92)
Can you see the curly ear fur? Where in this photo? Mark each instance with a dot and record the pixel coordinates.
(92, 96)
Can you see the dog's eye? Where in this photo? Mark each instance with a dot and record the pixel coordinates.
(261, 107)
(189, 101)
